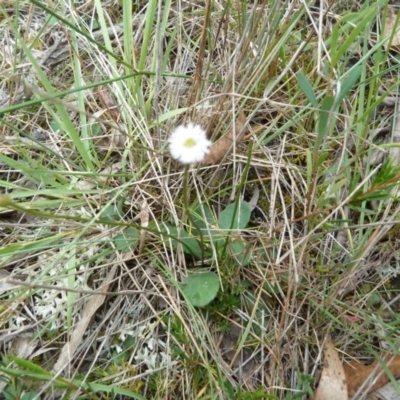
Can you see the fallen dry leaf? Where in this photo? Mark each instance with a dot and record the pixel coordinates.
(4, 284)
(7, 3)
(387, 392)
(224, 145)
(391, 26)
(89, 310)
(24, 345)
(88, 185)
(357, 373)
(112, 169)
(85, 185)
(332, 385)
(108, 103)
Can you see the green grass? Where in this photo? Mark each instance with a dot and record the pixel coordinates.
(90, 194)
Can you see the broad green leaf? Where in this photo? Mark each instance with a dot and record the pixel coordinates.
(205, 220)
(203, 216)
(127, 240)
(189, 244)
(238, 251)
(29, 396)
(111, 213)
(235, 217)
(201, 288)
(95, 129)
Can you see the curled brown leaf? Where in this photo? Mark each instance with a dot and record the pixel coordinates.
(357, 373)
(391, 27)
(332, 385)
(224, 145)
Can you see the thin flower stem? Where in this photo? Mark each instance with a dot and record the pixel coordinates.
(187, 209)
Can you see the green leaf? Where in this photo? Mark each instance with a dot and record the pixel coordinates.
(110, 389)
(95, 130)
(360, 23)
(307, 89)
(30, 396)
(238, 251)
(168, 115)
(361, 209)
(29, 365)
(349, 83)
(387, 172)
(189, 244)
(323, 119)
(52, 20)
(201, 288)
(322, 158)
(127, 240)
(203, 216)
(111, 213)
(336, 187)
(61, 116)
(309, 167)
(205, 220)
(36, 372)
(271, 288)
(235, 217)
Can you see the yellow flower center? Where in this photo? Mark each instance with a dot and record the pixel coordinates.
(189, 142)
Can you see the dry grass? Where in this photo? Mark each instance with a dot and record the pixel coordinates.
(89, 99)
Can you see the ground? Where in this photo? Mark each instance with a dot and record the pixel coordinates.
(126, 274)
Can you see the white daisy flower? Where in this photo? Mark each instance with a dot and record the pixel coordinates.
(189, 144)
